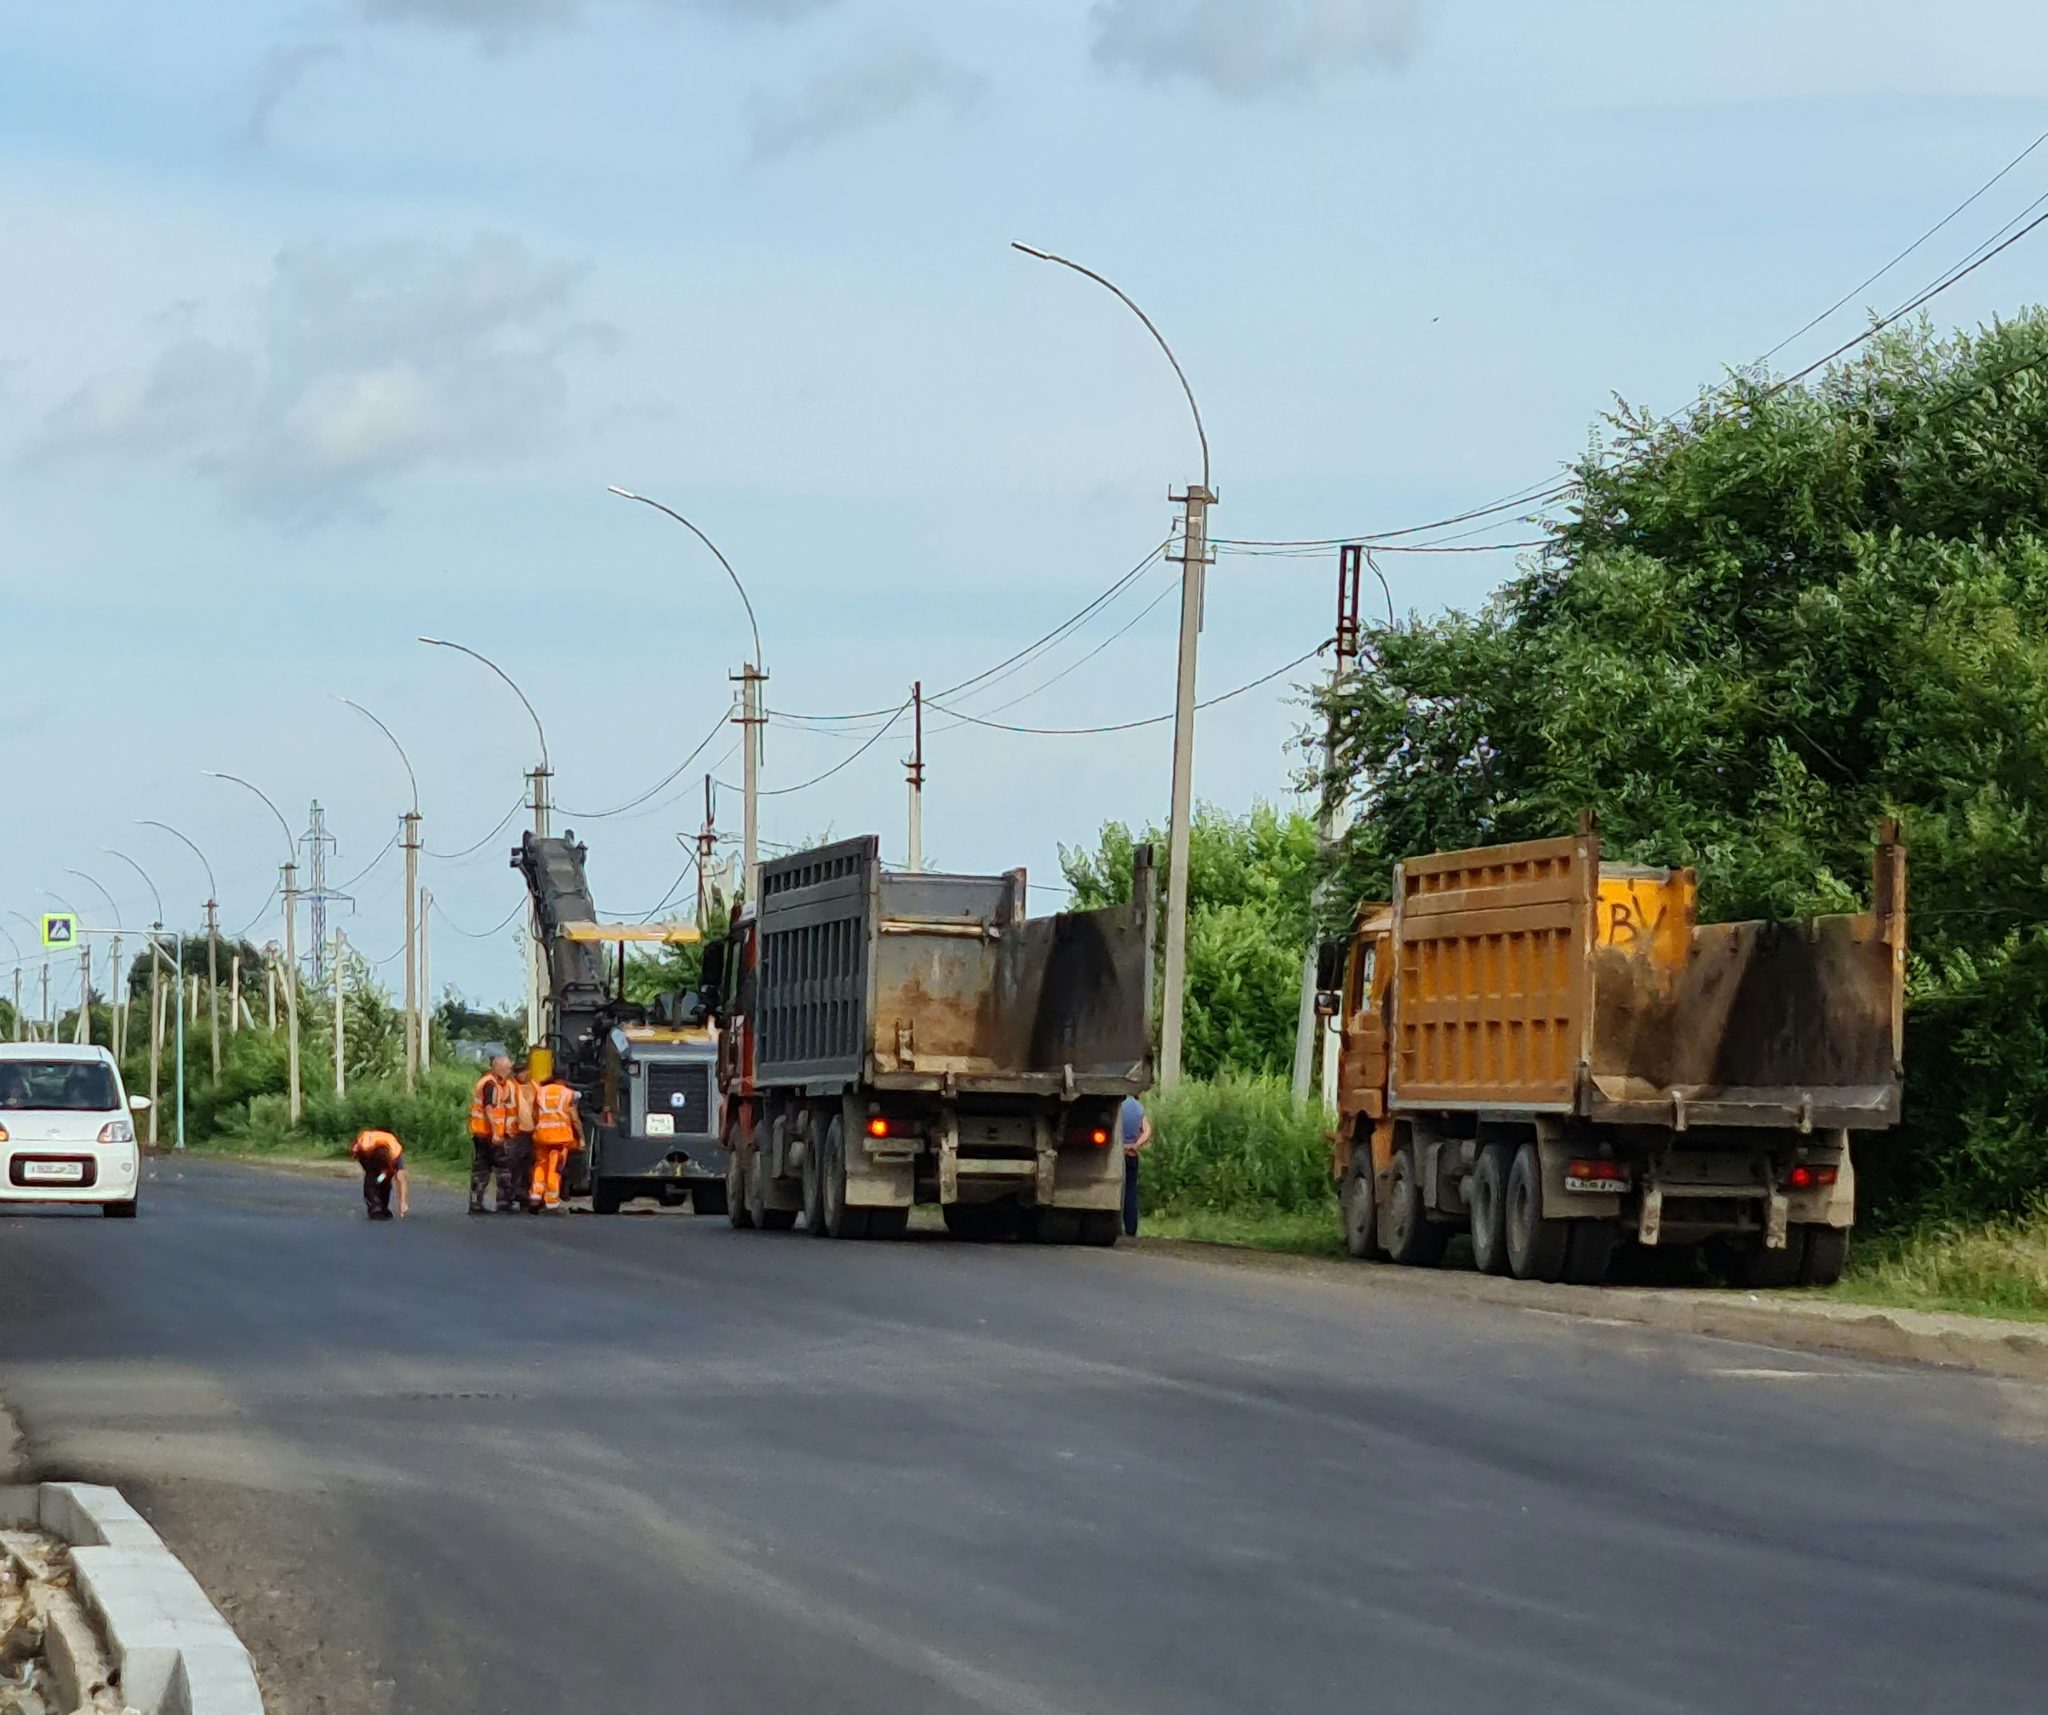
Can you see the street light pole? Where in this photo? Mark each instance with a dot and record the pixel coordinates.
(212, 936)
(915, 767)
(155, 1003)
(410, 843)
(16, 945)
(118, 983)
(290, 975)
(753, 717)
(1193, 557)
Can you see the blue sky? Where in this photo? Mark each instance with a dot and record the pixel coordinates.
(325, 326)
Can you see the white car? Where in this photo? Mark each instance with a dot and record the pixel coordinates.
(65, 1131)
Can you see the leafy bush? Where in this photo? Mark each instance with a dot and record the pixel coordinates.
(1235, 1145)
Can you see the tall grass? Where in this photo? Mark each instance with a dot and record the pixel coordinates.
(432, 1121)
(1998, 1268)
(1236, 1146)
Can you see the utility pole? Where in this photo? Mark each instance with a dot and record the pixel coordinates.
(117, 991)
(340, 1013)
(212, 980)
(1193, 555)
(289, 978)
(707, 852)
(17, 1000)
(751, 679)
(915, 764)
(82, 1030)
(235, 994)
(426, 988)
(270, 991)
(156, 1028)
(1350, 560)
(538, 779)
(410, 844)
(48, 1032)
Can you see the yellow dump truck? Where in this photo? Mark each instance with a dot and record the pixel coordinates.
(1554, 1053)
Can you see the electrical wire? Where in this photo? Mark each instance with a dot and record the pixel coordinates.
(468, 851)
(656, 809)
(1052, 636)
(262, 912)
(1129, 726)
(667, 779)
(1259, 551)
(1903, 254)
(478, 934)
(674, 887)
(845, 761)
(389, 845)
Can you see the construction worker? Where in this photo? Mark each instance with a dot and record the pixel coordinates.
(492, 1108)
(382, 1159)
(557, 1129)
(515, 1160)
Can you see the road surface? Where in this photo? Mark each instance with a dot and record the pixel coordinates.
(652, 1465)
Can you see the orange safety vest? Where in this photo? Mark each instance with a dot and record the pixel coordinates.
(491, 1108)
(371, 1142)
(553, 1108)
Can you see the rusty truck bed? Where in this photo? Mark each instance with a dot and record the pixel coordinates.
(945, 983)
(1533, 977)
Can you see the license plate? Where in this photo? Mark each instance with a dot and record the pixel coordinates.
(1613, 1187)
(52, 1172)
(661, 1125)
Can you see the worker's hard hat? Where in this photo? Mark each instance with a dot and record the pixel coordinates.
(541, 1063)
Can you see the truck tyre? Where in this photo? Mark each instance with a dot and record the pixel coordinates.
(841, 1221)
(1406, 1230)
(1055, 1226)
(1100, 1227)
(1536, 1245)
(767, 1219)
(890, 1223)
(1827, 1254)
(1487, 1192)
(814, 1182)
(604, 1197)
(739, 1199)
(1361, 1217)
(980, 1220)
(1589, 1250)
(708, 1197)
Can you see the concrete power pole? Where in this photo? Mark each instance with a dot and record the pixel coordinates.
(156, 1030)
(213, 981)
(1328, 829)
(340, 1013)
(915, 764)
(82, 1030)
(288, 979)
(235, 994)
(1193, 555)
(426, 987)
(751, 719)
(413, 1051)
(707, 853)
(48, 1032)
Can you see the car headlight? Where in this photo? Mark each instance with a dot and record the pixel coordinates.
(117, 1131)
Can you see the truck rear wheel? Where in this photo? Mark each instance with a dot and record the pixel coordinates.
(767, 1219)
(1361, 1218)
(981, 1220)
(1487, 1193)
(1406, 1230)
(1100, 1227)
(1055, 1226)
(739, 1203)
(1759, 1270)
(814, 1181)
(604, 1197)
(841, 1220)
(890, 1223)
(1827, 1254)
(1536, 1245)
(1589, 1251)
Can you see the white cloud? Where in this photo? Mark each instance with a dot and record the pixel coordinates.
(498, 23)
(859, 97)
(284, 68)
(1249, 48)
(368, 363)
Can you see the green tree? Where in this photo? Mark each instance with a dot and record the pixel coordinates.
(1765, 625)
(1249, 880)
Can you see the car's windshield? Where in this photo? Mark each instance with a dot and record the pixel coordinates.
(69, 1086)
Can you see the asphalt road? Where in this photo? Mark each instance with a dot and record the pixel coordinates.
(652, 1465)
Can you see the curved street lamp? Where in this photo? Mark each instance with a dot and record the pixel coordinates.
(751, 716)
(177, 1006)
(546, 771)
(212, 935)
(412, 859)
(1194, 559)
(291, 935)
(117, 991)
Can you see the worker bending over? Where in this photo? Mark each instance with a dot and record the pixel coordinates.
(557, 1129)
(515, 1160)
(493, 1106)
(382, 1159)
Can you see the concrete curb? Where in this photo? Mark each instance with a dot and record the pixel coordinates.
(1800, 1321)
(174, 1652)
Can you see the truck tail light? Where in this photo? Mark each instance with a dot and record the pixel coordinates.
(1595, 1176)
(1089, 1137)
(1809, 1176)
(1099, 1137)
(878, 1126)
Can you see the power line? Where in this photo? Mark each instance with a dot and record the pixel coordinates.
(468, 851)
(1129, 726)
(845, 761)
(390, 845)
(1903, 254)
(1248, 549)
(667, 779)
(478, 934)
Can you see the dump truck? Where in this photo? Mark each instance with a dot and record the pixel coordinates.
(1553, 1053)
(892, 1038)
(645, 1075)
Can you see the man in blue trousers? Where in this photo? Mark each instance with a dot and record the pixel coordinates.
(1137, 1130)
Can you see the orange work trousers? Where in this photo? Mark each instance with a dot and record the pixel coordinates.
(547, 1174)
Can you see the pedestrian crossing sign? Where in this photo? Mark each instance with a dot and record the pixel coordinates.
(60, 930)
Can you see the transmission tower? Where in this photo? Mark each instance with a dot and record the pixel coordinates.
(318, 843)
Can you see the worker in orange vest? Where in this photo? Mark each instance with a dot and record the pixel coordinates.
(557, 1129)
(492, 1108)
(382, 1159)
